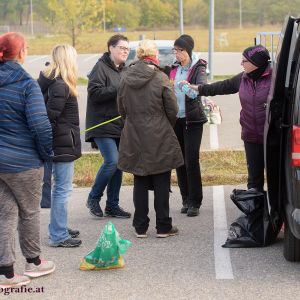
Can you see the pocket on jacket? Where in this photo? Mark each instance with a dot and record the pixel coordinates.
(73, 138)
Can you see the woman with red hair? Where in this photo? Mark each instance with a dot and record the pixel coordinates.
(25, 143)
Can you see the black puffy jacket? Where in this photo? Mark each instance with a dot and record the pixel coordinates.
(63, 113)
(104, 81)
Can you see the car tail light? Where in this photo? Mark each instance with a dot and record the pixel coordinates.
(296, 146)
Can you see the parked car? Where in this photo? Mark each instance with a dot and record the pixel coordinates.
(166, 55)
(165, 48)
(282, 139)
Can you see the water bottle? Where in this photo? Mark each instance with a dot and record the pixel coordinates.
(189, 91)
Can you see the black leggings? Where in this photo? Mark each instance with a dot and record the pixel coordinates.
(189, 175)
(255, 165)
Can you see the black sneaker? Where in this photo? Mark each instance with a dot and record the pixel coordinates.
(172, 232)
(69, 243)
(117, 212)
(192, 211)
(94, 207)
(73, 233)
(184, 209)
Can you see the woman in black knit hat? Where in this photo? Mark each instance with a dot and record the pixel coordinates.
(253, 86)
(189, 125)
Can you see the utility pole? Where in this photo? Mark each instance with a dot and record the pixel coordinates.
(31, 17)
(211, 38)
(104, 21)
(181, 17)
(241, 14)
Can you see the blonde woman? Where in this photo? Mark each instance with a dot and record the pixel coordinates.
(149, 148)
(58, 84)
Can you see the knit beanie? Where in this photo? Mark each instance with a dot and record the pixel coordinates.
(185, 42)
(257, 55)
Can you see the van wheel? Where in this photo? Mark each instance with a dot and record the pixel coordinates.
(291, 250)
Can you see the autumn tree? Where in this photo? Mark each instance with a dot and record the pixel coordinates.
(195, 12)
(123, 14)
(75, 15)
(156, 13)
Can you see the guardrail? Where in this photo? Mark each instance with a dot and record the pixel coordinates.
(268, 40)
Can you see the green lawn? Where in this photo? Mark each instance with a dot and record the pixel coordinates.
(218, 168)
(94, 42)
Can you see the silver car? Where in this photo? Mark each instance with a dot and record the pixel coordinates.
(166, 55)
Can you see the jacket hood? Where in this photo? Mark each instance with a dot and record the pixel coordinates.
(195, 59)
(44, 82)
(139, 74)
(106, 59)
(11, 72)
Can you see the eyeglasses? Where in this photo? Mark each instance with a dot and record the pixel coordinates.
(175, 50)
(125, 49)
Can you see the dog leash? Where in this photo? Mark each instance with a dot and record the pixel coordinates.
(100, 124)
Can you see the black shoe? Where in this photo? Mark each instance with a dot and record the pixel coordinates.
(45, 206)
(192, 211)
(172, 232)
(184, 208)
(73, 233)
(69, 243)
(94, 207)
(117, 212)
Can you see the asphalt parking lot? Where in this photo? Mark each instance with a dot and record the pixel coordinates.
(192, 265)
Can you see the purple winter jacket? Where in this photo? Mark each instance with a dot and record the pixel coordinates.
(253, 97)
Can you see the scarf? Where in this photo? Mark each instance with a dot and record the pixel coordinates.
(256, 74)
(152, 59)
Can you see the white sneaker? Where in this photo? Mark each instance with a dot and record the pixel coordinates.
(17, 280)
(141, 235)
(44, 268)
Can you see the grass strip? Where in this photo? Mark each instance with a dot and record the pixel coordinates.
(95, 42)
(217, 168)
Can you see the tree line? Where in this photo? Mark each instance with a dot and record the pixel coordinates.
(74, 16)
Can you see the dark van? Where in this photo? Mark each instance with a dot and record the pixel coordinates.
(282, 139)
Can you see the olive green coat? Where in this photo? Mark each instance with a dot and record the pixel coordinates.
(148, 106)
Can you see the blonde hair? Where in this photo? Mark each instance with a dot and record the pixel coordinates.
(146, 48)
(64, 64)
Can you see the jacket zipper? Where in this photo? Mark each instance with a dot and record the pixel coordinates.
(254, 105)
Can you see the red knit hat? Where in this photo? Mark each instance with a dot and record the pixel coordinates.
(11, 44)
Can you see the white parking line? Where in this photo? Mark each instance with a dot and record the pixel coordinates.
(214, 140)
(223, 266)
(37, 58)
(91, 57)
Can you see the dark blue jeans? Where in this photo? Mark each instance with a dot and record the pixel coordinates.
(108, 175)
(46, 193)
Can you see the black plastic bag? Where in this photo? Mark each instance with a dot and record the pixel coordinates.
(248, 201)
(254, 228)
